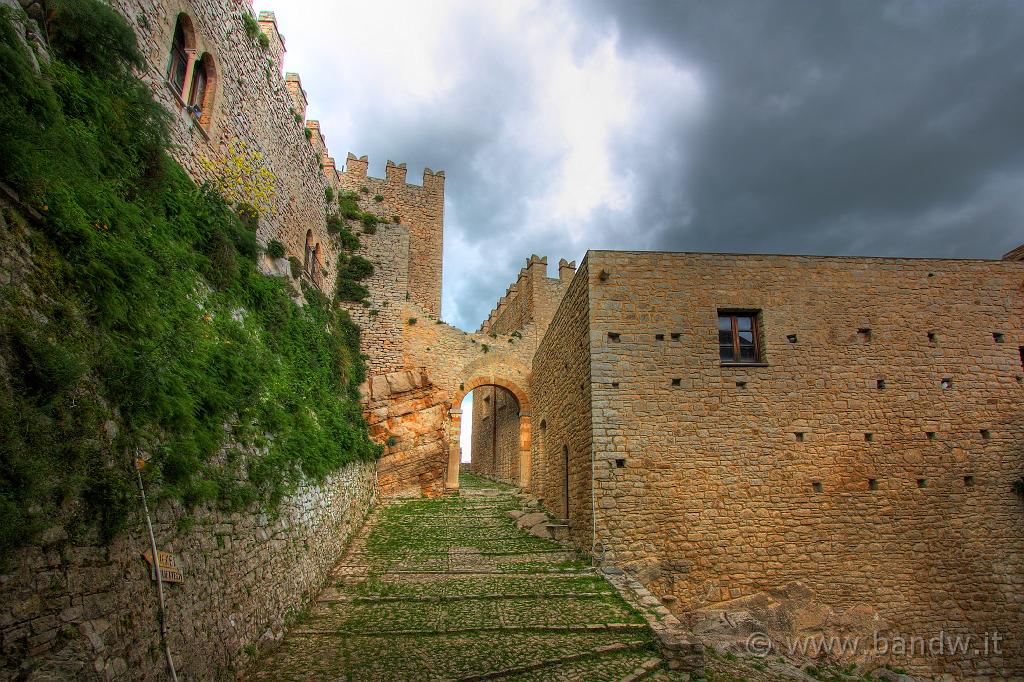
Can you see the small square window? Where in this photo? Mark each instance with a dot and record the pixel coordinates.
(799, 435)
(677, 382)
(614, 337)
(930, 435)
(659, 337)
(615, 384)
(869, 437)
(880, 384)
(864, 334)
(620, 464)
(872, 484)
(791, 338)
(968, 481)
(816, 485)
(998, 337)
(933, 337)
(675, 336)
(946, 383)
(738, 337)
(922, 483)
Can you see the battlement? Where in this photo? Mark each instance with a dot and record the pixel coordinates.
(268, 25)
(532, 292)
(420, 207)
(394, 173)
(293, 84)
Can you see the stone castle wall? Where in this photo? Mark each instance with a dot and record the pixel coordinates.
(719, 481)
(89, 611)
(561, 389)
(533, 298)
(249, 102)
(419, 207)
(381, 318)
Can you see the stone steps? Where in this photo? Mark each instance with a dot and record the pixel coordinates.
(449, 589)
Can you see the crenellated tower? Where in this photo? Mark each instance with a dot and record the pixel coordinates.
(418, 207)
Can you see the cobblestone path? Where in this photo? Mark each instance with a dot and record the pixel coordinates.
(450, 589)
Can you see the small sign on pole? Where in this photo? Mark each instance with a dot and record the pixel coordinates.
(169, 571)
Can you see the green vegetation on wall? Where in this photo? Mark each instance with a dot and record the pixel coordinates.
(142, 324)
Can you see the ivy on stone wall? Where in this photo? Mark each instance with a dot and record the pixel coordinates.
(135, 320)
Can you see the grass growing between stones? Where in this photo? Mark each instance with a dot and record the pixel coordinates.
(418, 598)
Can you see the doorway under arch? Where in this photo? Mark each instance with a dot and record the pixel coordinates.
(507, 457)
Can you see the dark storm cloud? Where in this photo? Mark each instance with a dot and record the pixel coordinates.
(836, 127)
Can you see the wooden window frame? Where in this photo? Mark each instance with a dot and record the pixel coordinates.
(755, 325)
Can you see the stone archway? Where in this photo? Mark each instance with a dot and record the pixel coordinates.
(455, 426)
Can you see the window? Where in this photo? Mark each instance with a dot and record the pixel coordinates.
(178, 66)
(197, 94)
(737, 337)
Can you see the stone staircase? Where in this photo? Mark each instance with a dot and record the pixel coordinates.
(451, 589)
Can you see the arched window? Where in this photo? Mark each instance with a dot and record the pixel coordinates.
(182, 47)
(197, 93)
(200, 98)
(316, 267)
(309, 250)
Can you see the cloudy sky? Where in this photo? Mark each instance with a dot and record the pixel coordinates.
(839, 127)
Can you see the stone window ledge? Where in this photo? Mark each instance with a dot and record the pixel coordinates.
(743, 364)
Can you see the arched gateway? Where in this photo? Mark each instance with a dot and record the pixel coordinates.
(455, 426)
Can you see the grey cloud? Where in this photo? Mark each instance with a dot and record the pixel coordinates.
(839, 127)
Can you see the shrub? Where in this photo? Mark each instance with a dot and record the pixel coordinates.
(329, 194)
(378, 198)
(352, 269)
(296, 266)
(334, 224)
(309, 133)
(347, 290)
(275, 249)
(484, 347)
(370, 229)
(264, 40)
(93, 36)
(348, 205)
(396, 219)
(252, 27)
(364, 189)
(412, 320)
(348, 241)
(356, 268)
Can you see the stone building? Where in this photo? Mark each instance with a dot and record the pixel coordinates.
(723, 425)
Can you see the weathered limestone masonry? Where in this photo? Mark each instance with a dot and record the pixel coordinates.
(90, 612)
(247, 100)
(562, 389)
(495, 446)
(421, 208)
(869, 454)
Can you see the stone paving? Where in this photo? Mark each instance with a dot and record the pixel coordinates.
(450, 589)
